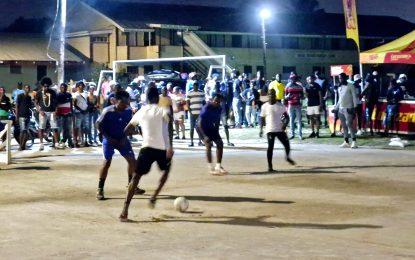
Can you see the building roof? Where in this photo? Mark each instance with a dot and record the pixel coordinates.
(130, 15)
(30, 47)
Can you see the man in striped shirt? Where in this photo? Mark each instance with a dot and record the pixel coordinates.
(195, 101)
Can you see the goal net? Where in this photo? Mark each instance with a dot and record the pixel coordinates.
(175, 70)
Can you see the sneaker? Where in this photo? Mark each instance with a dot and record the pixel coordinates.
(177, 138)
(271, 170)
(71, 145)
(191, 145)
(290, 161)
(152, 203)
(291, 137)
(61, 146)
(345, 145)
(333, 135)
(359, 133)
(100, 194)
(317, 135)
(86, 144)
(183, 138)
(231, 144)
(312, 135)
(41, 147)
(354, 145)
(139, 191)
(220, 171)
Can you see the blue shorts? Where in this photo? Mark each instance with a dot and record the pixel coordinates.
(108, 149)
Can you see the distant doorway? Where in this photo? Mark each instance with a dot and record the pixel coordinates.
(42, 71)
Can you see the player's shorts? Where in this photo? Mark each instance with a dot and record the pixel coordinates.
(313, 111)
(109, 150)
(213, 137)
(148, 156)
(24, 123)
(49, 116)
(179, 115)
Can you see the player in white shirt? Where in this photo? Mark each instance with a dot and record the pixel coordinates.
(156, 147)
(275, 119)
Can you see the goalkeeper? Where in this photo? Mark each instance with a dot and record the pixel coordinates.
(275, 119)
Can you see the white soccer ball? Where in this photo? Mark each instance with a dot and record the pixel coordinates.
(181, 204)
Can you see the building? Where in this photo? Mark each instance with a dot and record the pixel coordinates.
(23, 58)
(112, 30)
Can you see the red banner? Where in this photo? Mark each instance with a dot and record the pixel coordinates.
(335, 70)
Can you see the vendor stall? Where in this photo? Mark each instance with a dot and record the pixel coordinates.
(399, 51)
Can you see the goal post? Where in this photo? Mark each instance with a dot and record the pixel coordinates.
(215, 60)
(5, 147)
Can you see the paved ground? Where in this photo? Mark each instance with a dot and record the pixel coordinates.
(335, 204)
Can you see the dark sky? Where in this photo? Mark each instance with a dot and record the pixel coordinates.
(11, 9)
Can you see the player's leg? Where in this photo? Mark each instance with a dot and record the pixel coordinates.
(108, 151)
(182, 126)
(54, 126)
(42, 127)
(142, 167)
(128, 154)
(283, 138)
(270, 150)
(164, 164)
(193, 119)
(224, 119)
(219, 155)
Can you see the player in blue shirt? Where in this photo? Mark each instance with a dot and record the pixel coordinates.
(209, 122)
(111, 126)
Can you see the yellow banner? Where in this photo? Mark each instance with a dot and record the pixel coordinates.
(352, 30)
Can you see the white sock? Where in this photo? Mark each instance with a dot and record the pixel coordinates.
(218, 166)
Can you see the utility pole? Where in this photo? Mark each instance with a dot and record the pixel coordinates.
(264, 14)
(61, 63)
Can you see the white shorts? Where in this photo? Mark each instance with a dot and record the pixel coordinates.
(313, 111)
(49, 116)
(179, 115)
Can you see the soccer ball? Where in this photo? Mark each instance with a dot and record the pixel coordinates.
(181, 204)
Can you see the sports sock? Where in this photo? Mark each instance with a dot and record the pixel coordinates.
(218, 166)
(101, 183)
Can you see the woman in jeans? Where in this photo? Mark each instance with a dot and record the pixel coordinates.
(93, 113)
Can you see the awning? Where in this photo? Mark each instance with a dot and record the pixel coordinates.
(400, 51)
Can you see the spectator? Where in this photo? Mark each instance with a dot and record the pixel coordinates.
(249, 97)
(46, 102)
(178, 112)
(294, 95)
(394, 95)
(314, 101)
(324, 85)
(346, 107)
(80, 104)
(23, 113)
(335, 112)
(195, 101)
(371, 94)
(237, 101)
(93, 114)
(64, 116)
(5, 104)
(278, 86)
(166, 102)
(357, 82)
(19, 90)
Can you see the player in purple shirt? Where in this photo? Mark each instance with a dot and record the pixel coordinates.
(209, 122)
(111, 126)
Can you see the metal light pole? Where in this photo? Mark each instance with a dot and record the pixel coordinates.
(61, 63)
(265, 14)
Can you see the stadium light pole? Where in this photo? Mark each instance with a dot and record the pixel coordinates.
(62, 40)
(264, 14)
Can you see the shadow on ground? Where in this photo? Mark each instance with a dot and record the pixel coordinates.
(259, 221)
(218, 199)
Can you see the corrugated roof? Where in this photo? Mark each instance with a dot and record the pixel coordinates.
(234, 20)
(29, 47)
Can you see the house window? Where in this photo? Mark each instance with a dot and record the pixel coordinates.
(288, 69)
(100, 39)
(15, 69)
(290, 42)
(237, 41)
(248, 69)
(149, 38)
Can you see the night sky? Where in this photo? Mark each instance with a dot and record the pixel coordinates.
(11, 9)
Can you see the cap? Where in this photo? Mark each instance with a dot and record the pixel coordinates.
(357, 77)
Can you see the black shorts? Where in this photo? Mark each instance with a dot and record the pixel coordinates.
(148, 156)
(215, 138)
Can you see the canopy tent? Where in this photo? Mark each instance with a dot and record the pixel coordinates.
(400, 51)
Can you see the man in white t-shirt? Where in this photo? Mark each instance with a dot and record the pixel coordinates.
(81, 123)
(156, 146)
(275, 119)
